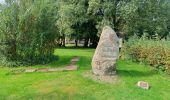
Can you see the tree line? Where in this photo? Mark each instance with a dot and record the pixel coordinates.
(29, 29)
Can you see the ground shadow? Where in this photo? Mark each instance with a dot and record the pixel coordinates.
(74, 47)
(135, 73)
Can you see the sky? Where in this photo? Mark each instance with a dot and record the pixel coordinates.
(2, 1)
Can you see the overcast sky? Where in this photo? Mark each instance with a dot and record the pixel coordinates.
(1, 1)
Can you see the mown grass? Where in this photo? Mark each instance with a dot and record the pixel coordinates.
(73, 86)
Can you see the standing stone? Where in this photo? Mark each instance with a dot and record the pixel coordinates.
(106, 54)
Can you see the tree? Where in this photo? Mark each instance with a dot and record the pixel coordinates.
(132, 16)
(149, 17)
(28, 28)
(76, 21)
(107, 13)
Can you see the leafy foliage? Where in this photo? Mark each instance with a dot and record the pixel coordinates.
(126, 17)
(149, 17)
(28, 28)
(153, 52)
(74, 21)
(27, 32)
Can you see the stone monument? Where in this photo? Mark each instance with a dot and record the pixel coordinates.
(106, 54)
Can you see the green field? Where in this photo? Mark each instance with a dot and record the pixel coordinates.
(71, 85)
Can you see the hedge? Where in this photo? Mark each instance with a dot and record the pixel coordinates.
(154, 52)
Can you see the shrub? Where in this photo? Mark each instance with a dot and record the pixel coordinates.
(27, 33)
(150, 51)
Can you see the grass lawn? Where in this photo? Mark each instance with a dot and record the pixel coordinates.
(73, 86)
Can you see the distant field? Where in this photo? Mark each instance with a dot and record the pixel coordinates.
(73, 86)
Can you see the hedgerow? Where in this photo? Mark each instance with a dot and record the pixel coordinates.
(154, 52)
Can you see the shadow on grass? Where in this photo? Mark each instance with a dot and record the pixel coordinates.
(135, 73)
(62, 60)
(74, 47)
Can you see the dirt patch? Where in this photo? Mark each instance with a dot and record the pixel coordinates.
(71, 67)
(30, 70)
(75, 59)
(42, 70)
(113, 79)
(55, 69)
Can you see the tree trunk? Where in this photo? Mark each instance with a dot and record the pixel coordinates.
(86, 42)
(76, 42)
(63, 40)
(59, 42)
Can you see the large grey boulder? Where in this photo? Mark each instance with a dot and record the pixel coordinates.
(106, 54)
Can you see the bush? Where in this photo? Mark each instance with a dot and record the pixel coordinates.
(154, 52)
(27, 33)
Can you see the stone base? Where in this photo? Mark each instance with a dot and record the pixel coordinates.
(102, 78)
(105, 72)
(101, 73)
